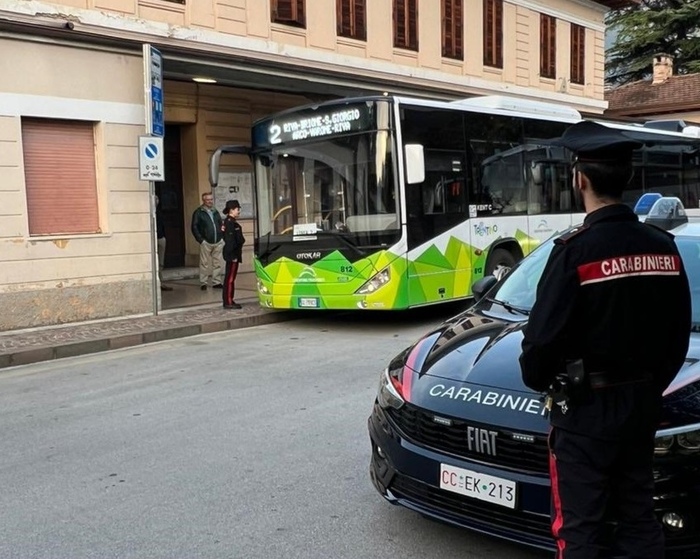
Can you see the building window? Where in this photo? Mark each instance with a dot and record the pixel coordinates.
(60, 176)
(548, 46)
(452, 29)
(406, 24)
(578, 54)
(288, 12)
(351, 16)
(493, 33)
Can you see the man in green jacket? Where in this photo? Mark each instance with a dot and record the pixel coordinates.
(207, 230)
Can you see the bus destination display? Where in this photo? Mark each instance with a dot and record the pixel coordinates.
(319, 125)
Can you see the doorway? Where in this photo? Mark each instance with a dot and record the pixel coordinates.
(170, 195)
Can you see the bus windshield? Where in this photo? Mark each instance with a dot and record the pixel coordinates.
(331, 181)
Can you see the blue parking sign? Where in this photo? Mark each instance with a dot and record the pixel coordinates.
(156, 66)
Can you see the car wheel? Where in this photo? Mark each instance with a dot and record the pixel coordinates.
(499, 263)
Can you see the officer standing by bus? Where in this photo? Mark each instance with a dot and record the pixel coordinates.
(608, 333)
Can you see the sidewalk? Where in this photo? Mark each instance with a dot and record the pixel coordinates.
(21, 347)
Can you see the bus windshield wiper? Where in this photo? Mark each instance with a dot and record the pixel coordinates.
(343, 237)
(510, 308)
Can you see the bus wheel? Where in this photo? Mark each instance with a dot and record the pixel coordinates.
(500, 262)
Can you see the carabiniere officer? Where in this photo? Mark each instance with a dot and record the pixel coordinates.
(610, 329)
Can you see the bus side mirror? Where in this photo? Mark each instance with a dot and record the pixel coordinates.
(415, 163)
(216, 160)
(214, 168)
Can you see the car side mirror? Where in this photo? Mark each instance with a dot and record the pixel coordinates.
(480, 287)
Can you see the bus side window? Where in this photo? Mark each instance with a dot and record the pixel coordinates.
(442, 189)
(547, 168)
(496, 165)
(439, 202)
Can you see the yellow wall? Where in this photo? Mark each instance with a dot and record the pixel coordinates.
(243, 28)
(63, 278)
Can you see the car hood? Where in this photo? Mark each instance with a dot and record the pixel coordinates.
(468, 368)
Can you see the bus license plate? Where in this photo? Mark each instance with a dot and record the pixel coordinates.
(308, 302)
(478, 486)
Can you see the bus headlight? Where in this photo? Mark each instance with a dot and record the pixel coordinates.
(262, 289)
(375, 282)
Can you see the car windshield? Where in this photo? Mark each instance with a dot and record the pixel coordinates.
(519, 288)
(689, 247)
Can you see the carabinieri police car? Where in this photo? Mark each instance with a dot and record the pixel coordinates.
(457, 436)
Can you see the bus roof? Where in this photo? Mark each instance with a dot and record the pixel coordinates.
(503, 105)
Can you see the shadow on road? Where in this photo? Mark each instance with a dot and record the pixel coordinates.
(357, 318)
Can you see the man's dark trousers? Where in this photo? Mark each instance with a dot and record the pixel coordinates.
(587, 475)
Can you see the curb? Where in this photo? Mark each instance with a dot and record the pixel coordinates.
(84, 347)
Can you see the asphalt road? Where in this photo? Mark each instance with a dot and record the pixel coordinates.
(247, 444)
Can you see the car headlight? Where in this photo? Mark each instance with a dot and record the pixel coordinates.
(689, 441)
(375, 282)
(390, 393)
(683, 440)
(662, 445)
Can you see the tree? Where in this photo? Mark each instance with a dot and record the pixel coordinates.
(653, 27)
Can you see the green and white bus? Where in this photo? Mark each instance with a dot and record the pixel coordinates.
(390, 203)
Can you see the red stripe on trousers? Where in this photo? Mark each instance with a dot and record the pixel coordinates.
(558, 520)
(230, 278)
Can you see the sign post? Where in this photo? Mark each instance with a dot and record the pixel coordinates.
(151, 161)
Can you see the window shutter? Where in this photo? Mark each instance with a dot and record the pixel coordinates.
(400, 23)
(360, 20)
(452, 29)
(447, 24)
(289, 12)
(488, 33)
(548, 46)
(493, 33)
(351, 19)
(413, 24)
(60, 176)
(458, 30)
(578, 54)
(498, 32)
(342, 12)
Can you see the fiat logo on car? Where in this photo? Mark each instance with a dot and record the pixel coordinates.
(482, 441)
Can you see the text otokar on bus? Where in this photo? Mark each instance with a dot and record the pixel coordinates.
(390, 203)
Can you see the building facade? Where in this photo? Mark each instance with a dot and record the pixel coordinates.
(75, 233)
(663, 97)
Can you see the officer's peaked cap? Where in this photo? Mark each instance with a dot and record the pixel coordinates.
(594, 142)
(230, 205)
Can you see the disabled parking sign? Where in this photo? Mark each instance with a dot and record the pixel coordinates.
(151, 160)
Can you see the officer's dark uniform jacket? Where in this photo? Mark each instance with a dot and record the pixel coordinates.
(233, 240)
(610, 295)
